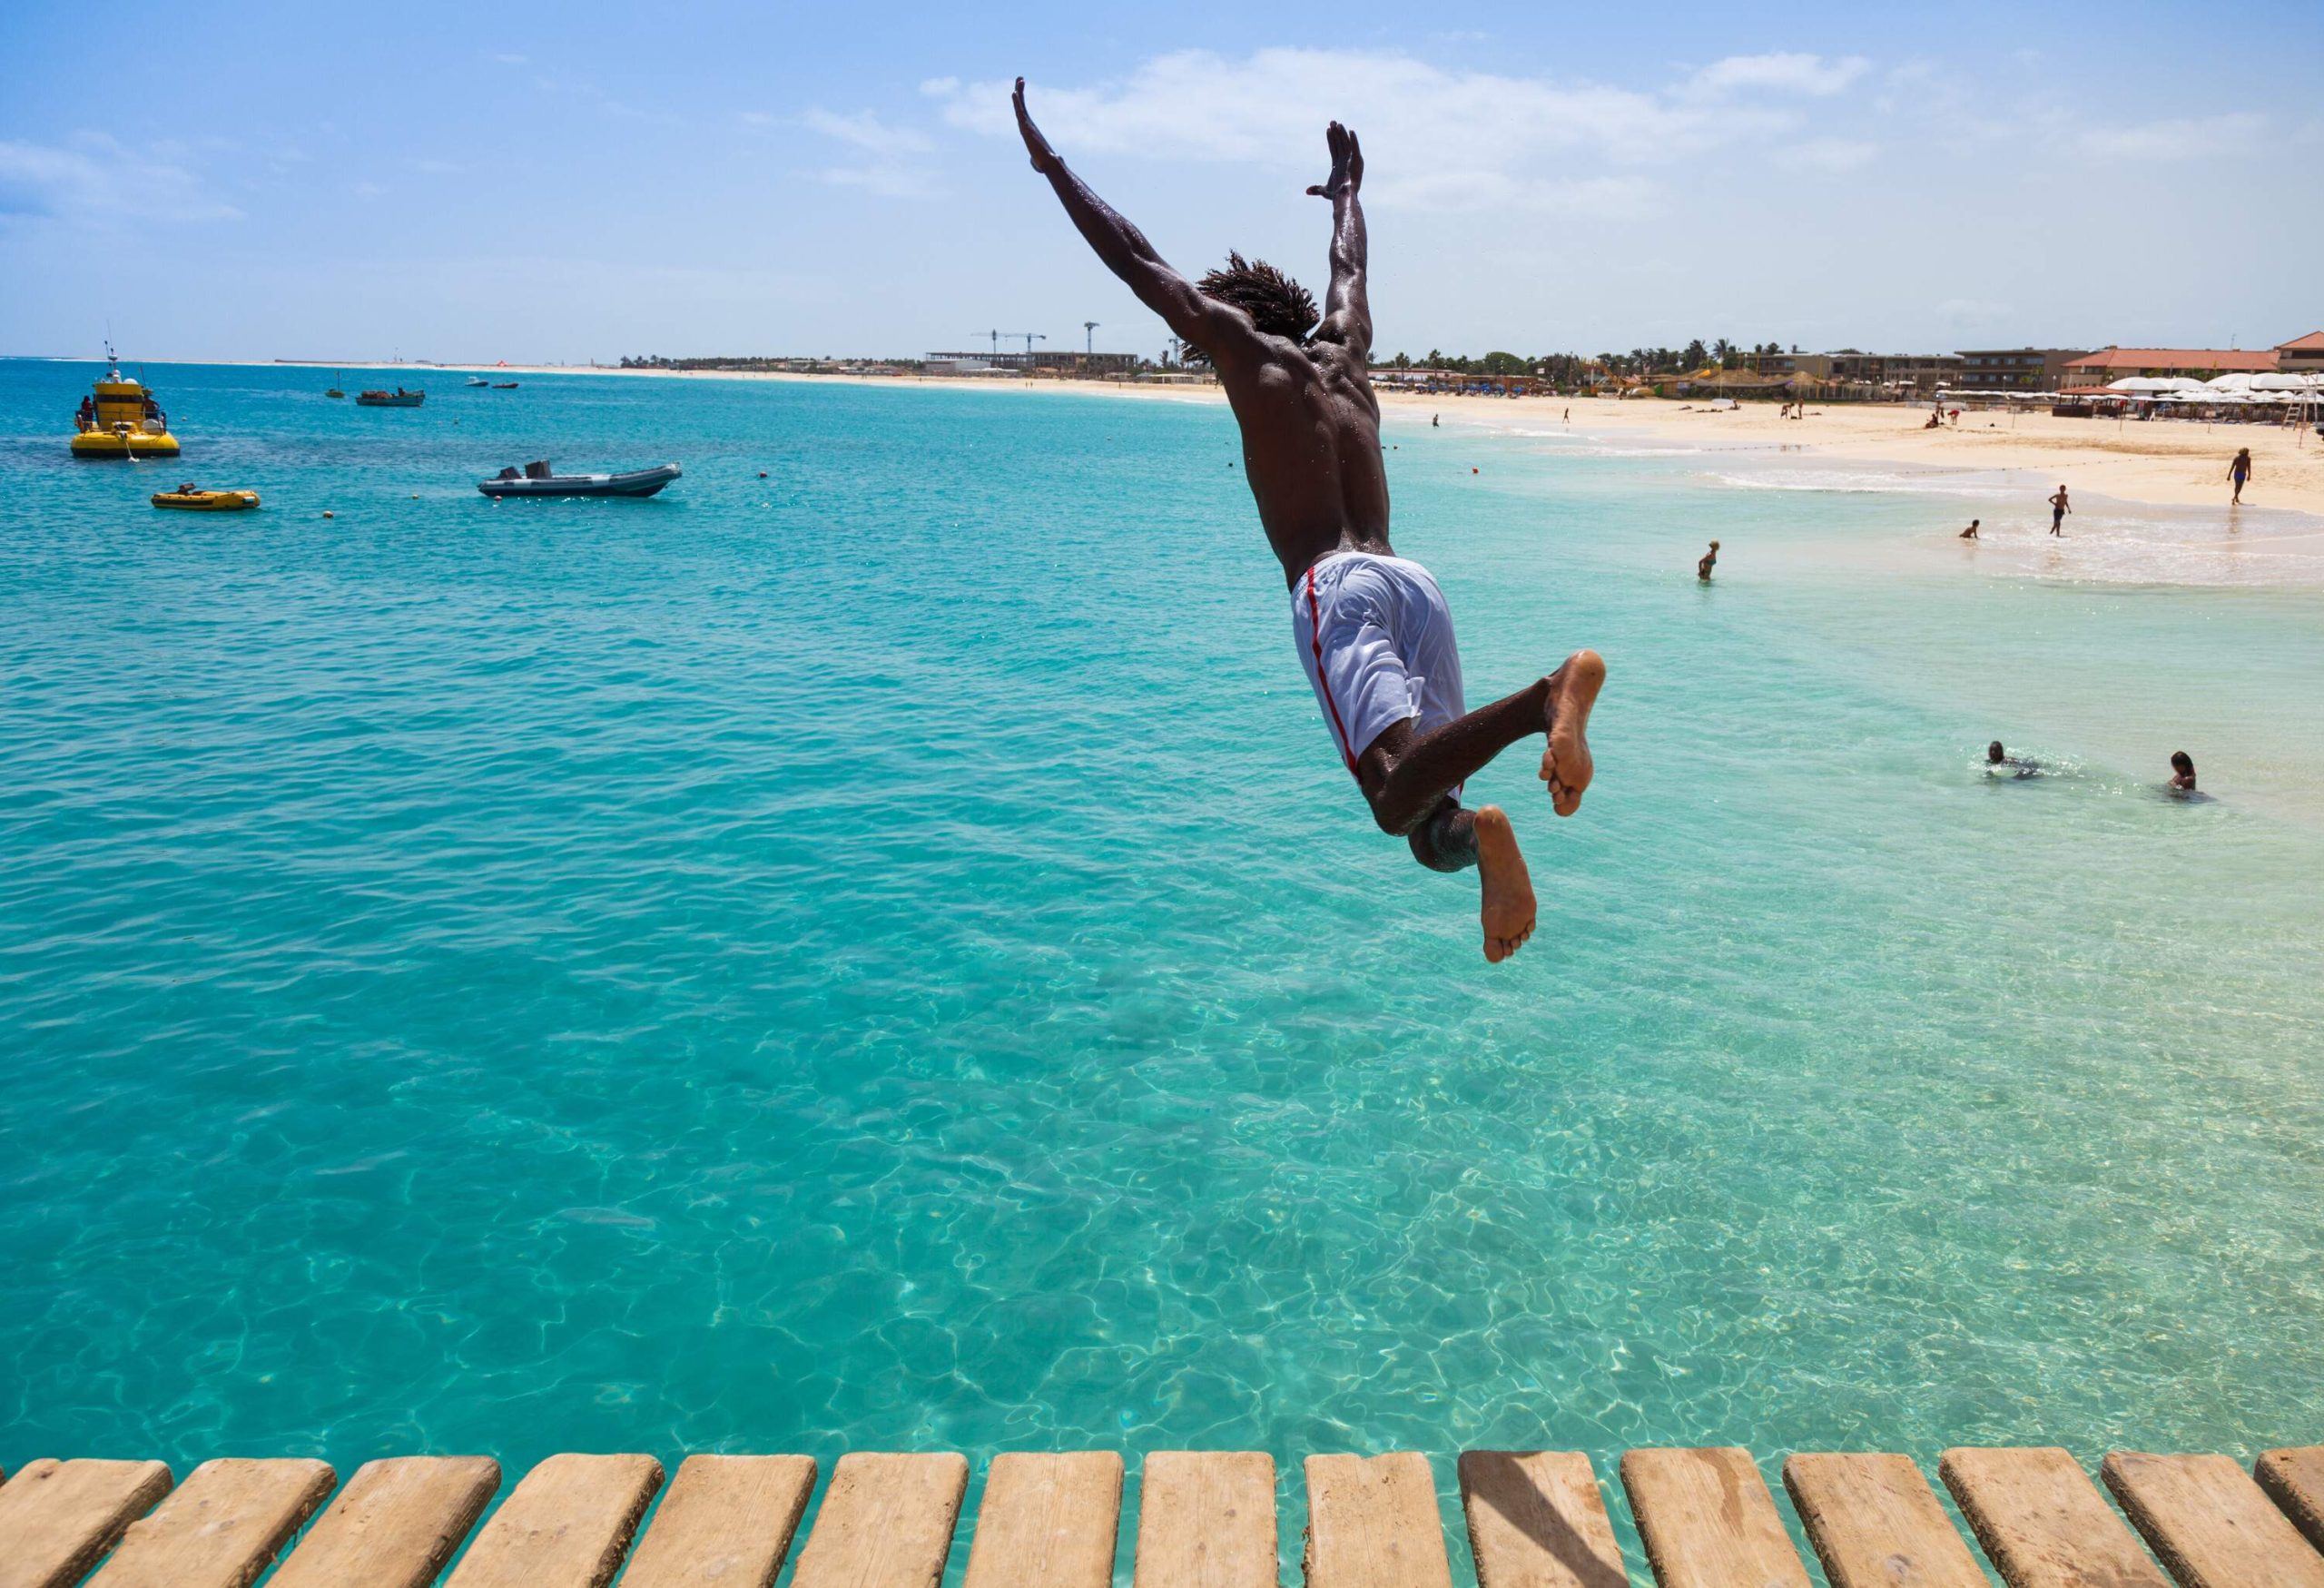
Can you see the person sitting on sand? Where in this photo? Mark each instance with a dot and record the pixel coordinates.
(1374, 633)
(2182, 771)
(1971, 532)
(2059, 508)
(1709, 561)
(2238, 472)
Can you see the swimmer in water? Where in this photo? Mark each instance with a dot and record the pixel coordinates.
(1432, 421)
(1971, 532)
(1998, 759)
(1373, 631)
(1709, 561)
(2182, 771)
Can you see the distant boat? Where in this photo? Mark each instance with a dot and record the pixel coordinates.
(399, 398)
(479, 380)
(337, 376)
(536, 480)
(504, 386)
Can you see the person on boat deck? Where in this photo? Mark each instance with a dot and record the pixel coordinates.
(1373, 630)
(88, 414)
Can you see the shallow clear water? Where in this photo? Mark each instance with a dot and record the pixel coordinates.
(885, 956)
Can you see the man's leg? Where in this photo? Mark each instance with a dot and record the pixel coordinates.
(1450, 839)
(1404, 775)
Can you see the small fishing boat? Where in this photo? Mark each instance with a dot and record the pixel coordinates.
(504, 386)
(479, 380)
(337, 377)
(536, 480)
(189, 498)
(120, 419)
(399, 398)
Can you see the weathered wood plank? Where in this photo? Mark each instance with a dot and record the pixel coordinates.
(2294, 1479)
(57, 1518)
(566, 1525)
(1877, 1523)
(221, 1528)
(1374, 1524)
(886, 1522)
(1536, 1519)
(1709, 1521)
(1205, 1519)
(726, 1522)
(2209, 1522)
(2042, 1523)
(1047, 1522)
(394, 1524)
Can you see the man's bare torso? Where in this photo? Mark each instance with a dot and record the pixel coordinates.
(1311, 446)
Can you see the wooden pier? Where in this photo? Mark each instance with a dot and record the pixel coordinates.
(1536, 1519)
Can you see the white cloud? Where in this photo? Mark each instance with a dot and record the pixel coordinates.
(2178, 138)
(1779, 74)
(867, 132)
(889, 170)
(1432, 137)
(1826, 155)
(98, 178)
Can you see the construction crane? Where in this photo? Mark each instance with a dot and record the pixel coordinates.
(1089, 330)
(1031, 338)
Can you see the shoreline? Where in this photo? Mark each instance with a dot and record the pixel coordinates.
(2157, 464)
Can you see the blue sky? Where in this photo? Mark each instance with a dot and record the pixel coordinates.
(577, 182)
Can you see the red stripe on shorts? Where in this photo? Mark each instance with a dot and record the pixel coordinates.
(1323, 684)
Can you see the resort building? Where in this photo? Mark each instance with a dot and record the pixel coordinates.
(1919, 374)
(2111, 364)
(2302, 355)
(1047, 363)
(2016, 368)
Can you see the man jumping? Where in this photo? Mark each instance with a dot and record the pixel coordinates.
(1374, 633)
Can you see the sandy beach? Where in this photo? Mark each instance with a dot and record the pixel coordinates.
(2163, 463)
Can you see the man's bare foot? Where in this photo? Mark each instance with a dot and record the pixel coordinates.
(1508, 911)
(1566, 766)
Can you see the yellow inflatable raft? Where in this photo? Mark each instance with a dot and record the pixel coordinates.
(193, 500)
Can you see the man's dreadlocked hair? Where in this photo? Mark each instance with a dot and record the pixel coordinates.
(1276, 304)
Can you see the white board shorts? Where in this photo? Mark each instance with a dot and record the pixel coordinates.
(1375, 638)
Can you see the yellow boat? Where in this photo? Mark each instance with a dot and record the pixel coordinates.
(120, 419)
(195, 500)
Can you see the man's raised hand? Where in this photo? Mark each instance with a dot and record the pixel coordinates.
(1044, 157)
(1347, 162)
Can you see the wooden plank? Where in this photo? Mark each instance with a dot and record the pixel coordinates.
(2209, 1522)
(1374, 1524)
(566, 1525)
(2042, 1523)
(221, 1528)
(1708, 1520)
(2294, 1479)
(1877, 1523)
(1536, 1519)
(394, 1524)
(886, 1522)
(57, 1518)
(727, 1521)
(1047, 1522)
(1205, 1519)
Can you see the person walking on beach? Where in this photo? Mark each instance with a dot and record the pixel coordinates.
(2238, 472)
(1374, 633)
(1709, 561)
(2059, 508)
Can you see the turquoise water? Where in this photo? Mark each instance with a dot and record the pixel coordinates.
(885, 956)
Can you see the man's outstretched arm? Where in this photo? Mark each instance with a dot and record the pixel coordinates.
(1347, 310)
(1216, 328)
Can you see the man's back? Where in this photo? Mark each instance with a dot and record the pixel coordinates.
(1311, 448)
